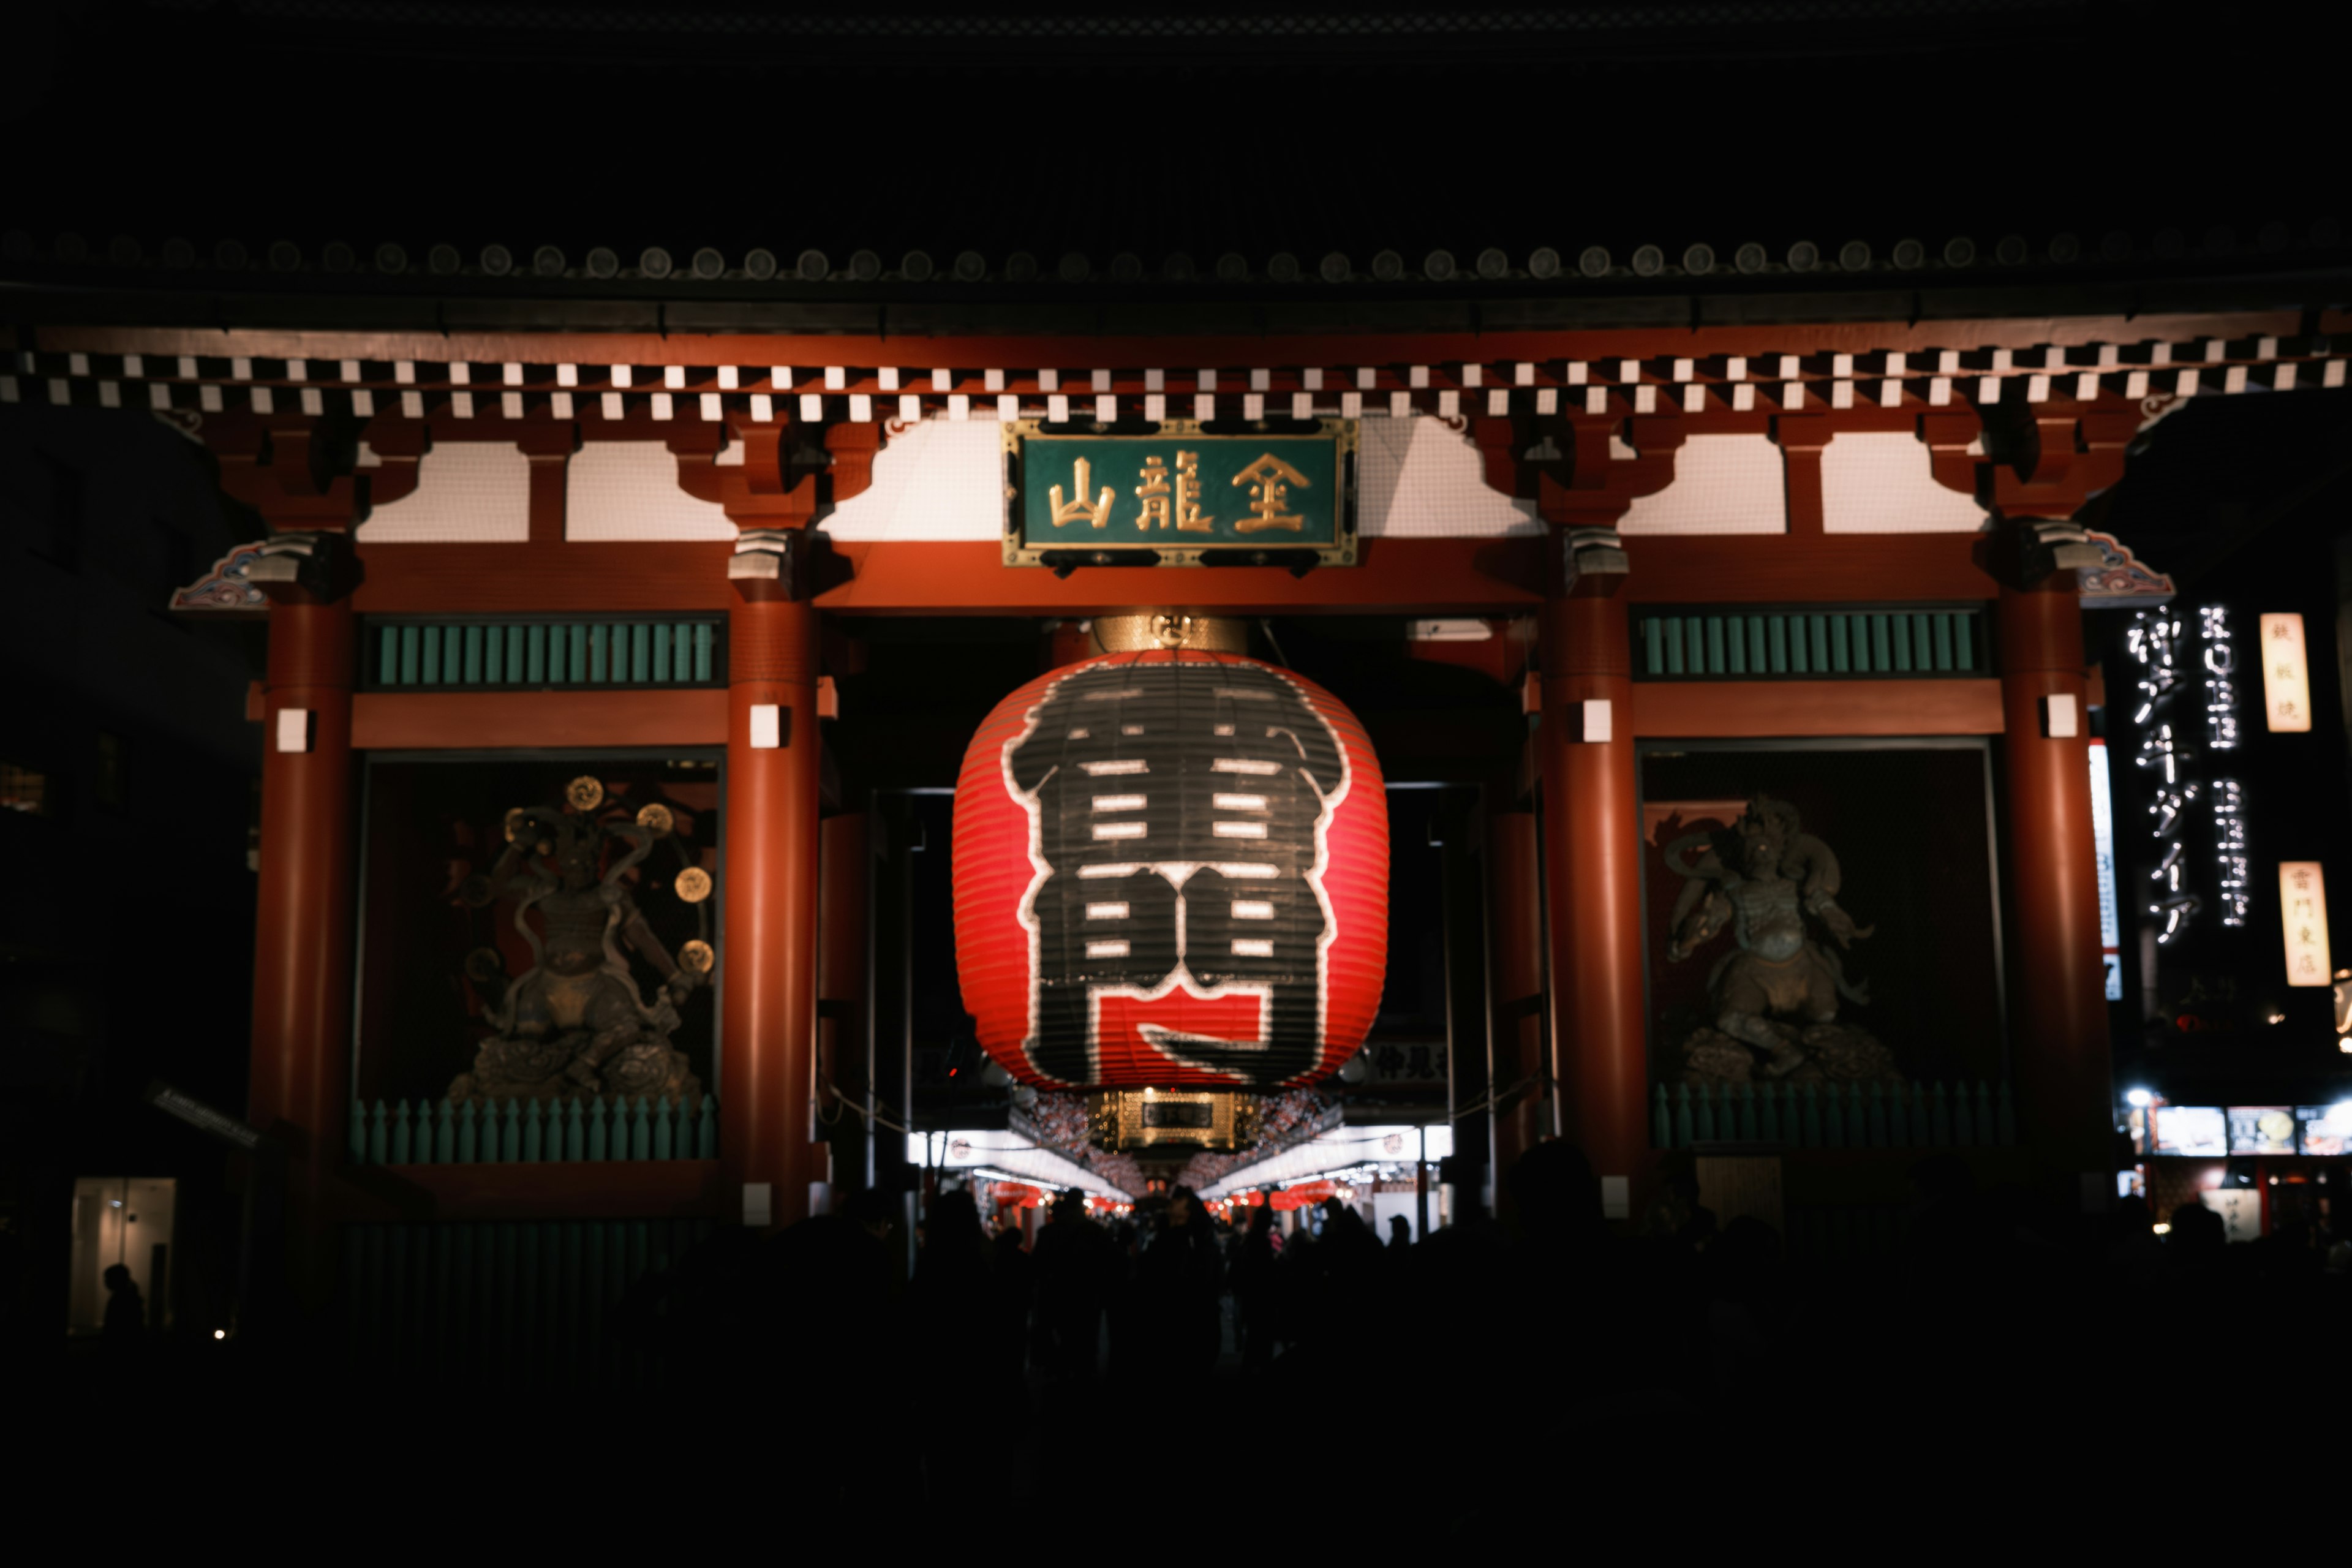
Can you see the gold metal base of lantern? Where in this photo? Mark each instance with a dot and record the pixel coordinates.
(1128, 1119)
(1171, 629)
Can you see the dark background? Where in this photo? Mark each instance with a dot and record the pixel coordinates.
(1097, 130)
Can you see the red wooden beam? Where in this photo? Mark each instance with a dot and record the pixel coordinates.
(456, 579)
(1492, 577)
(442, 720)
(1740, 710)
(1400, 576)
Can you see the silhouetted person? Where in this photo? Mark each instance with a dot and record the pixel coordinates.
(952, 1299)
(2132, 1244)
(126, 1312)
(1179, 1286)
(1121, 1311)
(1400, 1232)
(1078, 1265)
(2199, 1238)
(1012, 1286)
(1254, 1286)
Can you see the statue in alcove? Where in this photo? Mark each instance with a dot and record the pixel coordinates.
(576, 1023)
(1775, 995)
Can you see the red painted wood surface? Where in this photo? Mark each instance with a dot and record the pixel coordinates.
(767, 970)
(1592, 884)
(2057, 987)
(1397, 576)
(1737, 710)
(1415, 576)
(1516, 1027)
(426, 579)
(844, 1069)
(303, 935)
(439, 720)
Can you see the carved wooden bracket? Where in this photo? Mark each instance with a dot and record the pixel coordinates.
(2074, 457)
(294, 567)
(1948, 437)
(1802, 438)
(854, 447)
(1600, 487)
(2120, 577)
(399, 445)
(226, 587)
(1516, 449)
(278, 465)
(760, 492)
(549, 448)
(2046, 464)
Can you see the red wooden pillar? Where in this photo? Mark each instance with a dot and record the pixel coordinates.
(845, 1061)
(302, 944)
(768, 961)
(1592, 869)
(1516, 1066)
(2057, 979)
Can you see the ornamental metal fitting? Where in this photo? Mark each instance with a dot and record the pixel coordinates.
(2047, 546)
(769, 555)
(1592, 552)
(319, 564)
(1172, 630)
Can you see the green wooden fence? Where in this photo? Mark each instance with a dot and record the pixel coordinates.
(520, 1304)
(1712, 645)
(440, 1132)
(537, 655)
(1836, 1115)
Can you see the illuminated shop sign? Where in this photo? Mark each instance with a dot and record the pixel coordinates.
(2188, 715)
(2303, 911)
(2286, 677)
(2102, 844)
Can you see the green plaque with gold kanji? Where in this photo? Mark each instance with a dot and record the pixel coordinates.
(1196, 498)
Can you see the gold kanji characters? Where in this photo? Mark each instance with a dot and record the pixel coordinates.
(1176, 505)
(1189, 519)
(1098, 513)
(1154, 493)
(1269, 479)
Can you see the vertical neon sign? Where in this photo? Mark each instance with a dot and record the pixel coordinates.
(2160, 644)
(2221, 661)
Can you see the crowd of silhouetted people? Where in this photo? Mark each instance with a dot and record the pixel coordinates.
(1496, 1348)
(1496, 1361)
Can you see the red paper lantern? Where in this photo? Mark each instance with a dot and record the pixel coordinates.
(1305, 1195)
(1171, 869)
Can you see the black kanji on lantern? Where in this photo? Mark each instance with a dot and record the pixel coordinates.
(1177, 809)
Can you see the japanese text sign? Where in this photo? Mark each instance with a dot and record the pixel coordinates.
(2303, 911)
(2286, 679)
(1187, 495)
